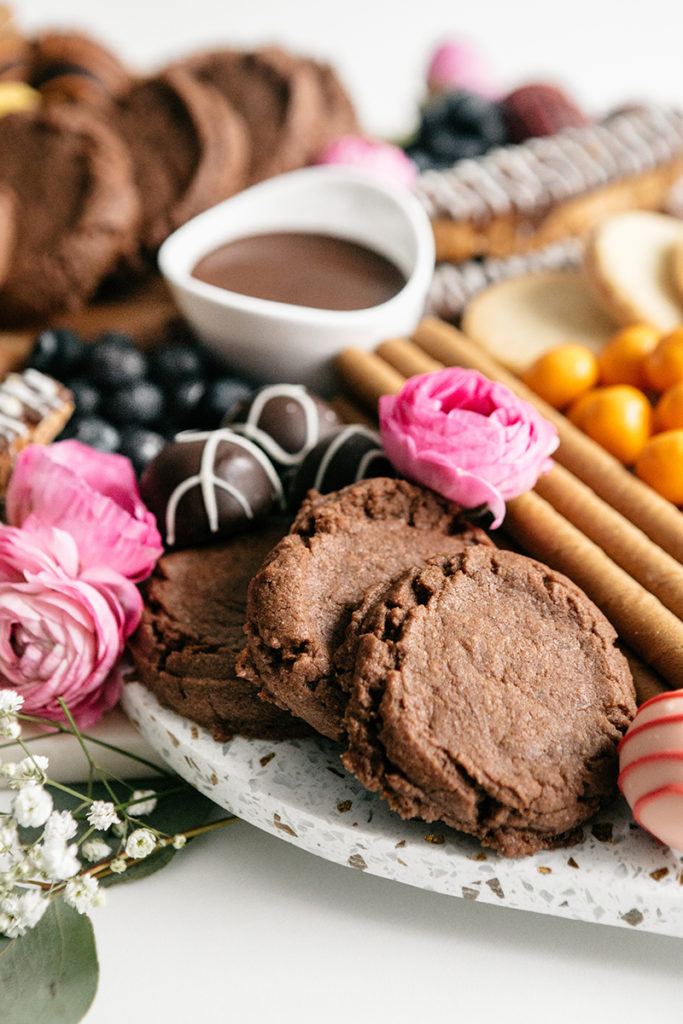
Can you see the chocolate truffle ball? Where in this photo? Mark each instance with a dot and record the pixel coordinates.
(349, 454)
(208, 485)
(286, 420)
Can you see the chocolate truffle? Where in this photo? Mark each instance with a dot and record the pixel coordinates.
(286, 420)
(208, 485)
(351, 453)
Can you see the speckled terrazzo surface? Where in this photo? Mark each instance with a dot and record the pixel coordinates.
(298, 790)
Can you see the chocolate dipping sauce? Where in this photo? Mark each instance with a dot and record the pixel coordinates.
(301, 269)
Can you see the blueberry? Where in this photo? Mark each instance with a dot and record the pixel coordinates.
(461, 124)
(140, 403)
(87, 397)
(95, 432)
(185, 401)
(58, 351)
(176, 362)
(451, 146)
(222, 397)
(140, 445)
(114, 361)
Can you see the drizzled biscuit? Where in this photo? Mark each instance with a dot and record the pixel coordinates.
(33, 408)
(521, 197)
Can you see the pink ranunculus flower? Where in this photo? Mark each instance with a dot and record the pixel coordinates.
(466, 437)
(90, 494)
(372, 155)
(61, 634)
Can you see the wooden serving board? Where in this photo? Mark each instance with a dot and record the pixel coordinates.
(144, 312)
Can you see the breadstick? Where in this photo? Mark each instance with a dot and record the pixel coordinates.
(647, 683)
(406, 357)
(655, 516)
(628, 546)
(642, 622)
(368, 376)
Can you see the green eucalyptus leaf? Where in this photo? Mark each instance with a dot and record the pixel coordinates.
(51, 972)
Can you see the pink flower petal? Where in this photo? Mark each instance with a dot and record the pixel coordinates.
(111, 527)
(468, 438)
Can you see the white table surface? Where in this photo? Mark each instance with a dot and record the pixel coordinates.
(243, 926)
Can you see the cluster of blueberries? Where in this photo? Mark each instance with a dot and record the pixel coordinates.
(455, 126)
(132, 401)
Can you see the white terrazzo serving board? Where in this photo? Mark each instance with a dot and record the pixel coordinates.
(299, 791)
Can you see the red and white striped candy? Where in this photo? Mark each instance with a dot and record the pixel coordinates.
(651, 767)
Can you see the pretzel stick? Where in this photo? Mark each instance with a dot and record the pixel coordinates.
(628, 546)
(658, 518)
(406, 357)
(368, 376)
(647, 683)
(642, 622)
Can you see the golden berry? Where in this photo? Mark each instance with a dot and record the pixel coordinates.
(618, 417)
(563, 373)
(660, 464)
(622, 359)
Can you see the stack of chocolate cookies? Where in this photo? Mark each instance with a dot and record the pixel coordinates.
(106, 163)
(464, 683)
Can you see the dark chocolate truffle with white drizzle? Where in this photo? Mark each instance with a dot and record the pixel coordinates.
(209, 484)
(351, 453)
(286, 421)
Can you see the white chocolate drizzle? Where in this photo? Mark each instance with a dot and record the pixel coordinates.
(338, 442)
(454, 284)
(295, 393)
(208, 482)
(19, 392)
(532, 175)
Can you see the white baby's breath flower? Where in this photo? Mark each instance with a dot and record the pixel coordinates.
(95, 849)
(19, 912)
(31, 771)
(83, 893)
(60, 825)
(10, 728)
(11, 702)
(9, 839)
(140, 843)
(56, 861)
(179, 841)
(33, 904)
(32, 806)
(102, 815)
(118, 865)
(141, 804)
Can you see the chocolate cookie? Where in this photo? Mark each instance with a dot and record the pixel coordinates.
(77, 208)
(8, 228)
(189, 149)
(191, 632)
(487, 693)
(301, 600)
(278, 96)
(73, 67)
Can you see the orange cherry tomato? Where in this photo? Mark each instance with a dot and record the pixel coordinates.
(664, 365)
(618, 417)
(660, 464)
(669, 409)
(563, 373)
(622, 359)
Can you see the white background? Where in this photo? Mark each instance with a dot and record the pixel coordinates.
(243, 926)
